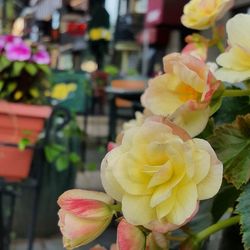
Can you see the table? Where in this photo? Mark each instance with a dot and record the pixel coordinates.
(112, 93)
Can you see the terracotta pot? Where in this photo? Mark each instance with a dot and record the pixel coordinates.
(19, 121)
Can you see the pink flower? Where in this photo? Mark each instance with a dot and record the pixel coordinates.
(41, 57)
(130, 237)
(17, 51)
(12, 39)
(83, 216)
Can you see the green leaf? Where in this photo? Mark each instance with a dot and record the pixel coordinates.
(17, 68)
(34, 92)
(44, 68)
(74, 158)
(4, 63)
(11, 86)
(243, 208)
(1, 85)
(208, 131)
(23, 143)
(31, 69)
(230, 108)
(52, 152)
(91, 166)
(62, 163)
(216, 101)
(232, 148)
(223, 200)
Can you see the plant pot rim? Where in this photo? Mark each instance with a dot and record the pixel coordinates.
(25, 109)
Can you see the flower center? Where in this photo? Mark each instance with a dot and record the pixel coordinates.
(185, 92)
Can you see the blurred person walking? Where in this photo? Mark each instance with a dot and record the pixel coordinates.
(99, 32)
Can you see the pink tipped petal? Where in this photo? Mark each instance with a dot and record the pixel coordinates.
(111, 145)
(129, 237)
(197, 50)
(78, 231)
(191, 62)
(211, 87)
(85, 208)
(85, 194)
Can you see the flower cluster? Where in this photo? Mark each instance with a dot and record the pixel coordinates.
(158, 172)
(23, 69)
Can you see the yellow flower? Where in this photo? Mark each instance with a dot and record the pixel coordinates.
(159, 175)
(183, 93)
(235, 61)
(62, 90)
(202, 14)
(18, 95)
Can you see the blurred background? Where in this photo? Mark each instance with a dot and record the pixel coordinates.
(101, 55)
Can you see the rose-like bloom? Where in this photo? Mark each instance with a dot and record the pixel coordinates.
(129, 237)
(83, 216)
(183, 93)
(17, 51)
(235, 61)
(202, 14)
(41, 57)
(159, 174)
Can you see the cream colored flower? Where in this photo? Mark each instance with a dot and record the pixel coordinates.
(183, 93)
(159, 175)
(202, 14)
(235, 61)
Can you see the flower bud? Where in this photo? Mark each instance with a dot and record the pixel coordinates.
(83, 216)
(129, 237)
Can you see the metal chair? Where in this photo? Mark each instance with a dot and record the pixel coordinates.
(11, 190)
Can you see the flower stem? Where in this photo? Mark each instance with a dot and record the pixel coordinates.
(236, 92)
(116, 208)
(175, 238)
(215, 228)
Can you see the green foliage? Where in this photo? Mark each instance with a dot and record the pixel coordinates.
(17, 68)
(60, 156)
(91, 166)
(4, 63)
(31, 69)
(208, 131)
(232, 147)
(230, 108)
(112, 70)
(224, 200)
(216, 101)
(243, 208)
(23, 143)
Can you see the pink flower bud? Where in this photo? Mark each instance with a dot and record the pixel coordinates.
(129, 237)
(83, 216)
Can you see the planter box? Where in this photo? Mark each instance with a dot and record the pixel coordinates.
(19, 121)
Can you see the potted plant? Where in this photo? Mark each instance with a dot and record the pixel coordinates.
(23, 81)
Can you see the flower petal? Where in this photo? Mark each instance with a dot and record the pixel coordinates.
(136, 209)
